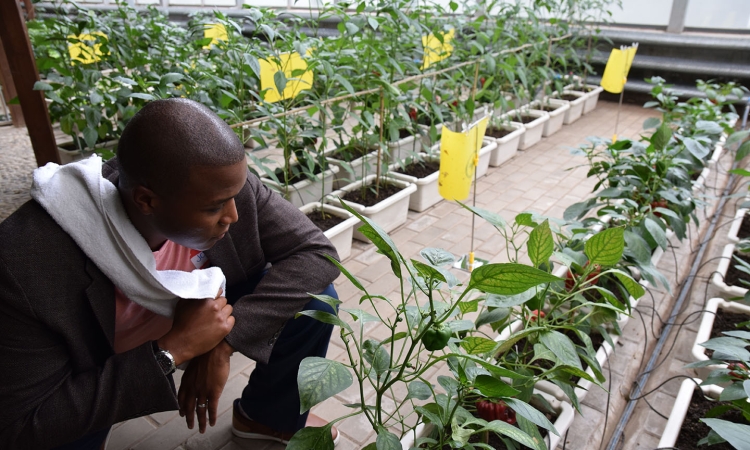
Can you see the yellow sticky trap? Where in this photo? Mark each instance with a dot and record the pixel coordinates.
(289, 63)
(617, 69)
(458, 160)
(87, 50)
(614, 138)
(434, 50)
(217, 32)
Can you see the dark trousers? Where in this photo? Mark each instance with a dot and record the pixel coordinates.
(271, 396)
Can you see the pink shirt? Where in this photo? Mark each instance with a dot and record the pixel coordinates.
(134, 324)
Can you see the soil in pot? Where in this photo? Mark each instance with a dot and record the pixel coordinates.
(525, 118)
(367, 197)
(725, 321)
(734, 275)
(744, 230)
(498, 133)
(549, 108)
(296, 176)
(693, 430)
(569, 97)
(352, 152)
(420, 169)
(323, 220)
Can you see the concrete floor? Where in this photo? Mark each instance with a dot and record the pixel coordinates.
(546, 179)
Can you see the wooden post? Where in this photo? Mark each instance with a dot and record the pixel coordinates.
(9, 89)
(15, 40)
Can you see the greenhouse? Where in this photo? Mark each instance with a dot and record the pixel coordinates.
(380, 225)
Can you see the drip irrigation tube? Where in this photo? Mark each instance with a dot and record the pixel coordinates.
(684, 292)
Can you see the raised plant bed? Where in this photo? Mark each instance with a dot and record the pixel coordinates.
(350, 170)
(714, 307)
(389, 212)
(507, 137)
(725, 275)
(339, 234)
(307, 190)
(424, 177)
(592, 97)
(556, 110)
(565, 416)
(740, 226)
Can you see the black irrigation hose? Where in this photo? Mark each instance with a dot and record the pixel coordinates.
(684, 292)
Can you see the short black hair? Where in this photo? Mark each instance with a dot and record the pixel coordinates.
(167, 137)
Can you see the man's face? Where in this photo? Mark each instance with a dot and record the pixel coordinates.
(199, 213)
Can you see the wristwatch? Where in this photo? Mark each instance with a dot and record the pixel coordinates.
(164, 358)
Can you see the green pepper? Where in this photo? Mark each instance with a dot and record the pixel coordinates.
(436, 337)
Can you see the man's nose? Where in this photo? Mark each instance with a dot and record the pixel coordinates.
(230, 215)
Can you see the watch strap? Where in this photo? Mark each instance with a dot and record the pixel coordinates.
(164, 359)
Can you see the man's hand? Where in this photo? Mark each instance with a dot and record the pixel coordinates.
(199, 326)
(202, 384)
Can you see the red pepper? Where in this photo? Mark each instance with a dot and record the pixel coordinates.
(489, 411)
(455, 103)
(536, 314)
(481, 81)
(413, 114)
(570, 279)
(734, 367)
(659, 204)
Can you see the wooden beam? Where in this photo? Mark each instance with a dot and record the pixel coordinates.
(9, 89)
(15, 40)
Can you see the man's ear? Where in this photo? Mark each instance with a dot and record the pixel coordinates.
(145, 199)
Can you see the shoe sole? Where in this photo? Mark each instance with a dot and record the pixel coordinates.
(265, 437)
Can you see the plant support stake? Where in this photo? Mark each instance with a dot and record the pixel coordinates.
(684, 292)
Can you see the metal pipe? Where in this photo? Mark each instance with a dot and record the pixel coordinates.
(684, 292)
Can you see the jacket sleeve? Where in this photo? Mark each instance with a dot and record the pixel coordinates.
(297, 250)
(45, 401)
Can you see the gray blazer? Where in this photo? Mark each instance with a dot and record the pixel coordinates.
(59, 376)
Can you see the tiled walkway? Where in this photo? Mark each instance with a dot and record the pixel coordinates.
(545, 179)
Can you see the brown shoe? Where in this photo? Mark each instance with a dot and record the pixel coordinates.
(243, 427)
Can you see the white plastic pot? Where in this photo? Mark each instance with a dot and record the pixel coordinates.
(576, 107)
(427, 193)
(704, 331)
(565, 416)
(534, 129)
(488, 146)
(341, 234)
(556, 117)
(680, 408)
(404, 148)
(69, 156)
(721, 272)
(344, 176)
(592, 97)
(507, 146)
(734, 230)
(307, 190)
(389, 213)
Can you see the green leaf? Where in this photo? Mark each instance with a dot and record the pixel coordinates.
(312, 438)
(171, 77)
(633, 288)
(142, 96)
(743, 151)
(279, 80)
(477, 345)
(469, 306)
(373, 22)
(540, 244)
(346, 273)
(525, 219)
(651, 122)
(325, 317)
(515, 337)
(637, 247)
(494, 388)
(428, 415)
(508, 301)
(493, 316)
(508, 278)
(514, 433)
(387, 440)
(319, 379)
(661, 137)
(729, 346)
(562, 347)
(493, 218)
(656, 232)
(343, 81)
(605, 248)
(437, 256)
(42, 86)
(90, 135)
(419, 390)
(351, 28)
(529, 412)
(428, 272)
(734, 433)
(376, 354)
(746, 387)
(361, 315)
(253, 63)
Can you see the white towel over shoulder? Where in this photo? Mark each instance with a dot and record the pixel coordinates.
(88, 207)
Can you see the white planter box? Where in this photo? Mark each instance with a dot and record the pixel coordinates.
(427, 193)
(565, 417)
(507, 146)
(485, 152)
(704, 331)
(680, 408)
(556, 117)
(307, 190)
(389, 213)
(734, 230)
(576, 107)
(341, 234)
(659, 252)
(534, 129)
(592, 97)
(404, 148)
(700, 184)
(721, 272)
(343, 176)
(69, 156)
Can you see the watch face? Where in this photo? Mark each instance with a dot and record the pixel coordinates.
(164, 358)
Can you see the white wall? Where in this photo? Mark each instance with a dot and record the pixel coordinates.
(644, 12)
(733, 14)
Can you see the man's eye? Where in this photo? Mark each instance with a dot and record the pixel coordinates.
(214, 210)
